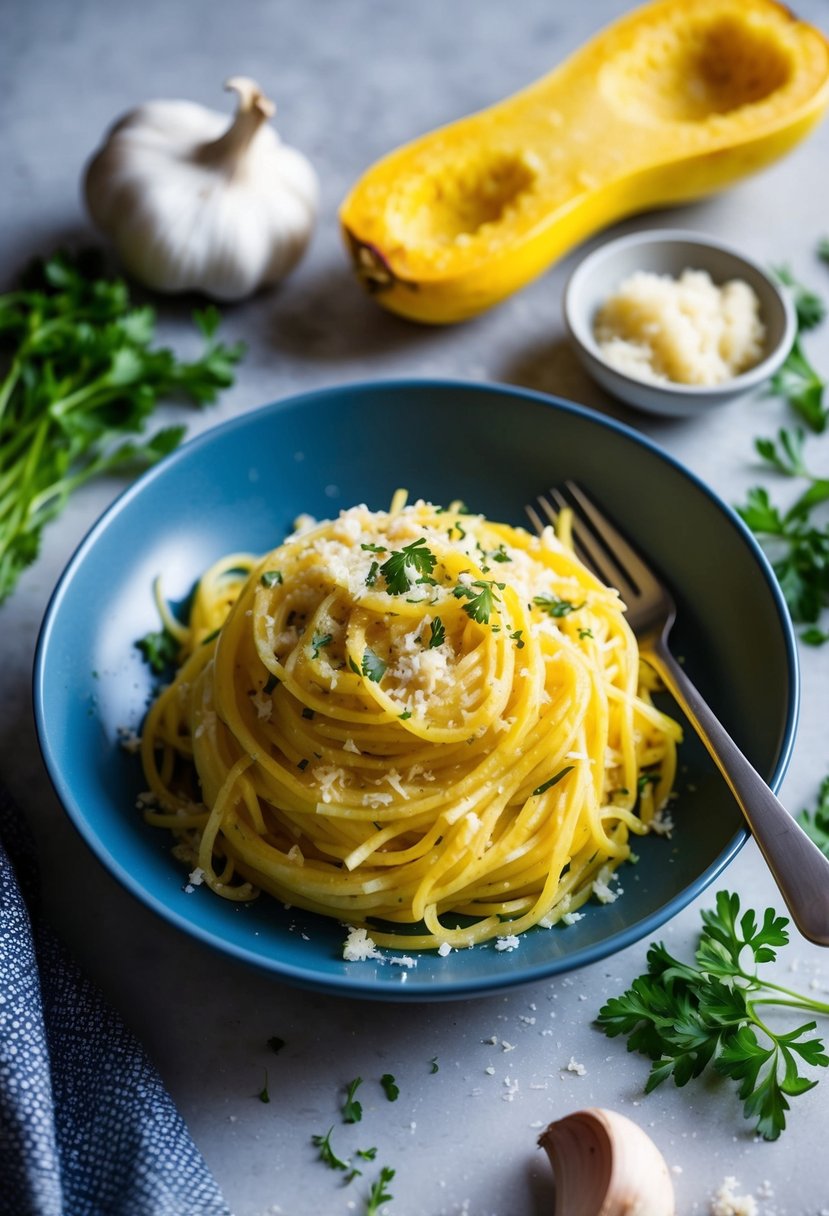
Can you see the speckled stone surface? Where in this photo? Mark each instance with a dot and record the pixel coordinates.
(352, 80)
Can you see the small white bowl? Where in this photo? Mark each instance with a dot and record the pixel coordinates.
(670, 251)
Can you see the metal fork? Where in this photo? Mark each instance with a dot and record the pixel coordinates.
(800, 869)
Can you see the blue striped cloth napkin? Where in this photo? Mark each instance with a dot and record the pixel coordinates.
(86, 1125)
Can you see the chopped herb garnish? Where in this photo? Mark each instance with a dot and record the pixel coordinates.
(327, 1154)
(307, 712)
(645, 779)
(372, 548)
(437, 633)
(367, 1154)
(270, 578)
(816, 822)
(517, 638)
(318, 642)
(685, 1017)
(556, 607)
(396, 568)
(160, 649)
(481, 602)
(433, 1065)
(354, 666)
(407, 713)
(271, 682)
(371, 577)
(585, 633)
(263, 1094)
(456, 527)
(390, 1087)
(352, 1110)
(500, 554)
(554, 780)
(303, 764)
(378, 1193)
(373, 666)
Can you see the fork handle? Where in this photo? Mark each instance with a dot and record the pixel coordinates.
(800, 869)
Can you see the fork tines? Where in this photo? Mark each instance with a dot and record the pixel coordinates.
(598, 543)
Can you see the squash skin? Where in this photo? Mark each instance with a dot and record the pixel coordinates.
(457, 220)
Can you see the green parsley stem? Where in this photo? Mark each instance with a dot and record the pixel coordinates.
(804, 1003)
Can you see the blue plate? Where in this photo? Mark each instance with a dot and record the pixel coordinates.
(241, 485)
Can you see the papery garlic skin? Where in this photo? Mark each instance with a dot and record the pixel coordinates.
(194, 204)
(606, 1165)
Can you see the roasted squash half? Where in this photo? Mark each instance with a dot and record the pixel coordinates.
(675, 100)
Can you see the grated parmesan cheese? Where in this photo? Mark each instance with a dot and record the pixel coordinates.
(358, 946)
(726, 1203)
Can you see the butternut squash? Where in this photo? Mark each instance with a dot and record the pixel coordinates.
(677, 99)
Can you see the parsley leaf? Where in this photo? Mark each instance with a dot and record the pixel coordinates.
(390, 1087)
(809, 306)
(437, 633)
(797, 549)
(785, 454)
(270, 578)
(689, 1017)
(263, 1094)
(80, 383)
(378, 1194)
(816, 822)
(373, 667)
(160, 649)
(397, 568)
(482, 602)
(352, 1110)
(802, 386)
(318, 642)
(556, 607)
(327, 1154)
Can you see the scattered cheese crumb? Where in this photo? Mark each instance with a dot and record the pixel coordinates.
(507, 943)
(601, 886)
(726, 1203)
(443, 949)
(574, 1066)
(358, 946)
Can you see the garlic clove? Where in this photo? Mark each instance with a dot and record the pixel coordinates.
(606, 1165)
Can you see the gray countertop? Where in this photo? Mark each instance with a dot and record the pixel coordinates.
(353, 80)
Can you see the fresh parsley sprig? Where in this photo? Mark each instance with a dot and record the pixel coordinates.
(795, 540)
(687, 1017)
(799, 383)
(815, 822)
(79, 377)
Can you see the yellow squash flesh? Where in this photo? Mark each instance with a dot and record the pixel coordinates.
(676, 100)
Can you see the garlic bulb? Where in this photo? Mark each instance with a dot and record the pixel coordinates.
(605, 1165)
(194, 204)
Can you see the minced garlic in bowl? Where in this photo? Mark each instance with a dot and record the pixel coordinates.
(687, 330)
